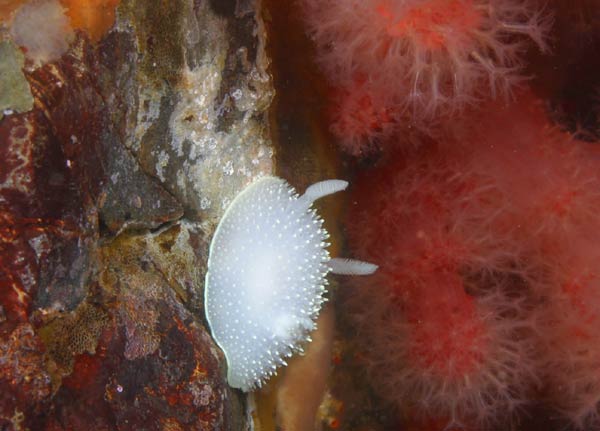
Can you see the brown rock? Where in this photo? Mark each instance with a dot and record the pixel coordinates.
(101, 311)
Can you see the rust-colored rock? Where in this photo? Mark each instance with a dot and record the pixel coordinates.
(140, 361)
(101, 310)
(95, 17)
(24, 378)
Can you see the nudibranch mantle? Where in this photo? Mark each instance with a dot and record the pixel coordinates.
(266, 276)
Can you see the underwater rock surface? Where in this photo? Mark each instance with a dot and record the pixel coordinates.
(111, 184)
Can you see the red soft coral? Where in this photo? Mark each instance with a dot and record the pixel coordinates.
(552, 185)
(572, 333)
(359, 125)
(429, 57)
(555, 198)
(444, 319)
(552, 179)
(488, 269)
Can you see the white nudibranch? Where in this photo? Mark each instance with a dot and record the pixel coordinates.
(266, 276)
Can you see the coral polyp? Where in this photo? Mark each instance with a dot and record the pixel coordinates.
(266, 277)
(430, 57)
(356, 122)
(448, 333)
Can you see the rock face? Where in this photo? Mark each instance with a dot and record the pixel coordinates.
(193, 104)
(116, 162)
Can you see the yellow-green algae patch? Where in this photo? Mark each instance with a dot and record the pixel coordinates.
(15, 94)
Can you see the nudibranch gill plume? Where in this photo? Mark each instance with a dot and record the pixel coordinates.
(266, 276)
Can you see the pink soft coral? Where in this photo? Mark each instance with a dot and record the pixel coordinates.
(358, 124)
(430, 56)
(572, 334)
(446, 324)
(553, 183)
(552, 179)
